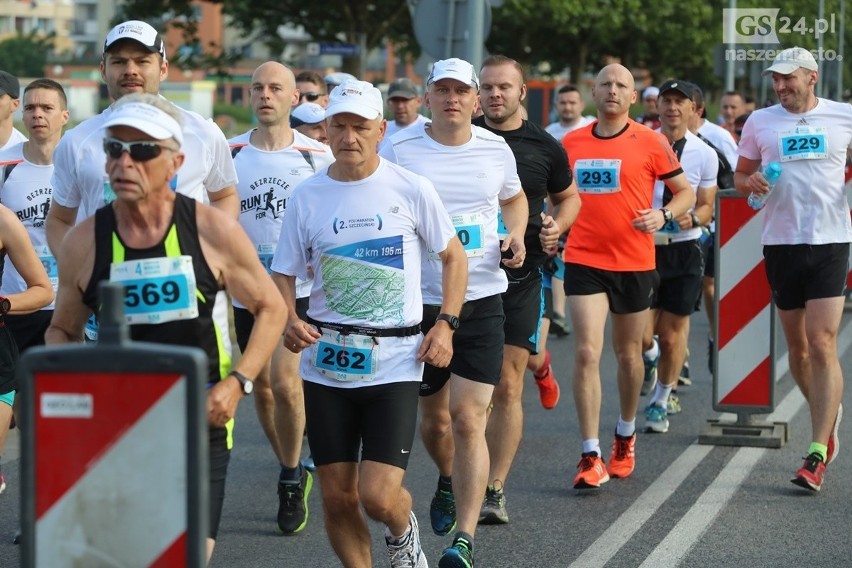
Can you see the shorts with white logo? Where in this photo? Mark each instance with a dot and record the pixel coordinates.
(381, 419)
(477, 344)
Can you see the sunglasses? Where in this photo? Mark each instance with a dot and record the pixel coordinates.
(312, 97)
(139, 151)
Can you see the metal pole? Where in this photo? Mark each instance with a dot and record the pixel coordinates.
(476, 21)
(730, 63)
(820, 17)
(451, 27)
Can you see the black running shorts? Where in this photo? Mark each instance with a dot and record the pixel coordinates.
(523, 305)
(477, 344)
(627, 292)
(798, 273)
(381, 419)
(680, 267)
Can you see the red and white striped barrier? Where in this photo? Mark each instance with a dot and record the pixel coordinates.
(110, 469)
(743, 381)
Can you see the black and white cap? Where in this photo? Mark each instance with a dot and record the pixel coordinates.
(138, 31)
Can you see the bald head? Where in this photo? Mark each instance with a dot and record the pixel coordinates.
(273, 69)
(273, 94)
(614, 91)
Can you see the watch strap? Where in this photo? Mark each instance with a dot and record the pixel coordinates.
(242, 378)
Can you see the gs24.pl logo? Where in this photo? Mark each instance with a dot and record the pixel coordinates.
(764, 25)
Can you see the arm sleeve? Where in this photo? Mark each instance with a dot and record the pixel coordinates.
(511, 181)
(560, 174)
(433, 221)
(291, 254)
(748, 148)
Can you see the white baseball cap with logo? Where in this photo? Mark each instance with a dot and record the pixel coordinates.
(791, 59)
(356, 97)
(145, 117)
(454, 68)
(138, 31)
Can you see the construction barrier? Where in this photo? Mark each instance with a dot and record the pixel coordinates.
(114, 451)
(744, 354)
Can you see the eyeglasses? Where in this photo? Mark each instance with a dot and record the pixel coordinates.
(312, 97)
(139, 151)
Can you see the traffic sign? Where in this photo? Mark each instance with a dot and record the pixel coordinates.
(442, 27)
(115, 456)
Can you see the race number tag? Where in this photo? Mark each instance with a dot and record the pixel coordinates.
(470, 232)
(346, 358)
(598, 176)
(49, 263)
(157, 290)
(803, 143)
(265, 252)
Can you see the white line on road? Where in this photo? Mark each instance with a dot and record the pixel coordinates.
(703, 513)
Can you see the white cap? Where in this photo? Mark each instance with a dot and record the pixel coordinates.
(306, 113)
(651, 92)
(140, 32)
(339, 78)
(147, 118)
(357, 97)
(454, 68)
(791, 59)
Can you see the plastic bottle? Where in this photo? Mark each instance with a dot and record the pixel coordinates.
(771, 173)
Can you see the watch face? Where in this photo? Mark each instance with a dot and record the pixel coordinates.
(248, 387)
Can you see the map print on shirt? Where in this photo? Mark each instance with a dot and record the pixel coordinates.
(366, 280)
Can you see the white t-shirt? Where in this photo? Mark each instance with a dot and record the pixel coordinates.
(471, 179)
(808, 204)
(25, 189)
(393, 128)
(722, 139)
(80, 178)
(701, 166)
(363, 240)
(267, 181)
(558, 131)
(15, 138)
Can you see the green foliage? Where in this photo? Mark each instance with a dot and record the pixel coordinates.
(26, 55)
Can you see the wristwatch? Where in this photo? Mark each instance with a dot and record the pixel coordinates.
(452, 320)
(245, 382)
(667, 214)
(696, 222)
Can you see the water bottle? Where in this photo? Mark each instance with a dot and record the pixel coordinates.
(771, 173)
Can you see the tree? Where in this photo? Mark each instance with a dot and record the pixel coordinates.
(354, 21)
(26, 55)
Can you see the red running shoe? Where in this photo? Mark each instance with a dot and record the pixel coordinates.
(548, 388)
(811, 474)
(623, 458)
(592, 472)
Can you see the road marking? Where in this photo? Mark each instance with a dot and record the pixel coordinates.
(703, 513)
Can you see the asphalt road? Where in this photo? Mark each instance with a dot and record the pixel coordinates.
(685, 505)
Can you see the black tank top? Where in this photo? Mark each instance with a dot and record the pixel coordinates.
(180, 239)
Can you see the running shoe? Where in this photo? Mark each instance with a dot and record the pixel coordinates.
(493, 510)
(2, 482)
(655, 419)
(673, 404)
(407, 553)
(442, 512)
(811, 474)
(559, 326)
(459, 555)
(684, 379)
(623, 458)
(833, 440)
(591, 472)
(548, 388)
(293, 504)
(650, 379)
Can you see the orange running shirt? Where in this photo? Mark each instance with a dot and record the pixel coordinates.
(615, 177)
